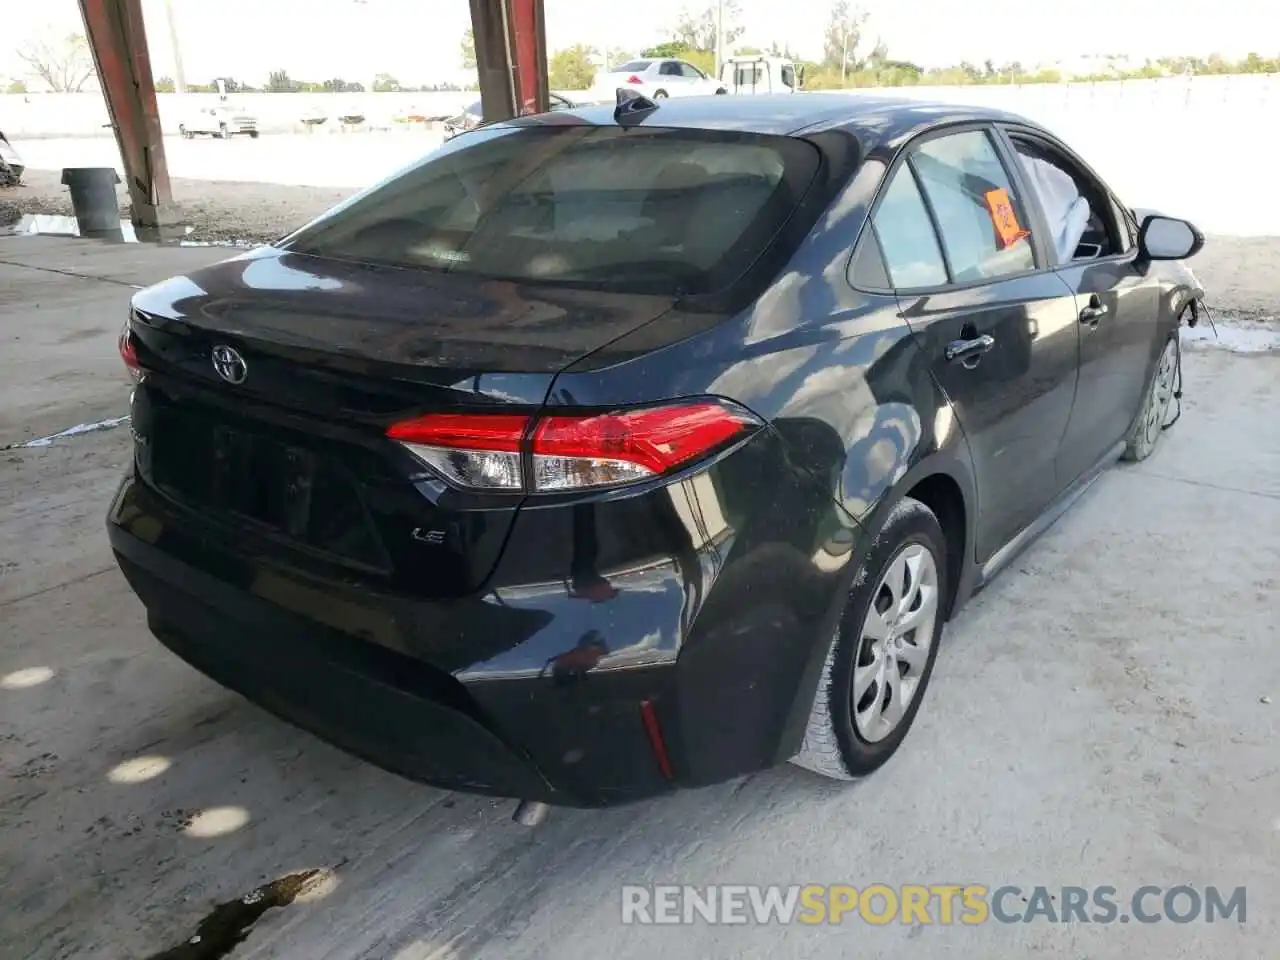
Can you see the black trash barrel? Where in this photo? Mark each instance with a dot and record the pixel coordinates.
(93, 198)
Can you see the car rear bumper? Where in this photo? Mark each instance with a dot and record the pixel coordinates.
(522, 733)
(621, 648)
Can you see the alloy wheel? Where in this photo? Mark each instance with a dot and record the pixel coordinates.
(897, 635)
(1162, 385)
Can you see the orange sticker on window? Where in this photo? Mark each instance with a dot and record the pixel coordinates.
(1004, 219)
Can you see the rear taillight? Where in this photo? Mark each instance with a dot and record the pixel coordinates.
(566, 453)
(634, 79)
(480, 451)
(128, 353)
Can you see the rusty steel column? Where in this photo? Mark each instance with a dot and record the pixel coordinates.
(511, 57)
(529, 41)
(118, 39)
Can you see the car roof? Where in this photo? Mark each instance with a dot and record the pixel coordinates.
(876, 119)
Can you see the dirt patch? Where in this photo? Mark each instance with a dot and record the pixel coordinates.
(218, 211)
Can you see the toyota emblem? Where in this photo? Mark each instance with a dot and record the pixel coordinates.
(229, 365)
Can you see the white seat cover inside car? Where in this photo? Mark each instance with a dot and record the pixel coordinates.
(1067, 211)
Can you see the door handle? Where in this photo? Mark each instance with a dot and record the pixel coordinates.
(969, 351)
(1094, 312)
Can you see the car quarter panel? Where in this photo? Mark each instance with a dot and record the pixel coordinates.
(853, 411)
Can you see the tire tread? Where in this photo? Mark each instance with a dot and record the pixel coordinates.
(820, 750)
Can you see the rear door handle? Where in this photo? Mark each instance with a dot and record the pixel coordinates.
(1094, 312)
(969, 351)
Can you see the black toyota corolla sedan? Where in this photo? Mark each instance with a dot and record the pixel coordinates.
(606, 452)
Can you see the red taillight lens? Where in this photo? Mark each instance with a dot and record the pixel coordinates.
(484, 451)
(573, 452)
(128, 353)
(480, 451)
(634, 79)
(498, 432)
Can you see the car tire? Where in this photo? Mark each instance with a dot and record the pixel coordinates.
(722, 92)
(1149, 426)
(253, 134)
(660, 94)
(182, 132)
(846, 737)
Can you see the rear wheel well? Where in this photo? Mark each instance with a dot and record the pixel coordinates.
(942, 495)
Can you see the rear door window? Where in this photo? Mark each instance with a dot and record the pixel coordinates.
(633, 66)
(633, 210)
(984, 226)
(906, 235)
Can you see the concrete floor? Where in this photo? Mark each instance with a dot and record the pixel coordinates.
(1096, 717)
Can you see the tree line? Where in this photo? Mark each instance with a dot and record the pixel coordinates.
(852, 58)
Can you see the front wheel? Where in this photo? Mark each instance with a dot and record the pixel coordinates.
(253, 134)
(1146, 432)
(721, 92)
(659, 94)
(882, 655)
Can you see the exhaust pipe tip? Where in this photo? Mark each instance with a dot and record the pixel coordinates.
(530, 813)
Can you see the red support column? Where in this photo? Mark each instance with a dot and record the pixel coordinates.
(511, 56)
(118, 39)
(530, 45)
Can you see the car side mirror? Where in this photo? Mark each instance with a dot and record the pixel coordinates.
(1166, 238)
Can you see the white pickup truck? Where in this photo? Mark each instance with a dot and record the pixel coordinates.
(760, 75)
(222, 122)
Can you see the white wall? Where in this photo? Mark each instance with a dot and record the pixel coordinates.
(34, 116)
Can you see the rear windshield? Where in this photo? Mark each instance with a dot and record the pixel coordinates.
(632, 210)
(633, 66)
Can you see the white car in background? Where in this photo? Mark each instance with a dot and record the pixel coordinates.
(659, 78)
(222, 122)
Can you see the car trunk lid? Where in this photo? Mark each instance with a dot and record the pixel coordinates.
(287, 440)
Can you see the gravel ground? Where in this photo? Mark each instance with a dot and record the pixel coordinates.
(218, 211)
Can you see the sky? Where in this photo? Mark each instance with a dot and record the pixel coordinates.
(417, 41)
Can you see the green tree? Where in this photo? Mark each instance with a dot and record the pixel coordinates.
(672, 49)
(704, 60)
(468, 49)
(279, 81)
(16, 86)
(697, 30)
(165, 85)
(572, 68)
(842, 36)
(616, 57)
(386, 83)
